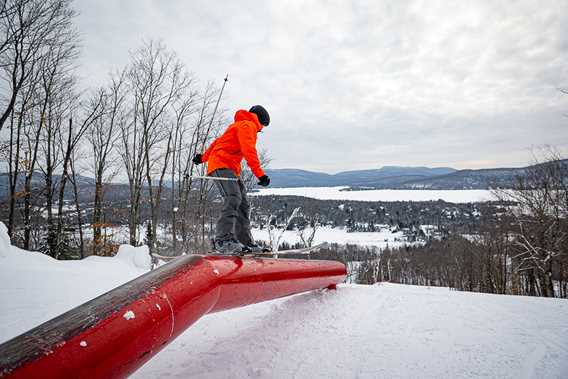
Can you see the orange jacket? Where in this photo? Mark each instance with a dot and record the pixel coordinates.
(238, 141)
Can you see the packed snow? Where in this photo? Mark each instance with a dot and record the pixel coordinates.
(35, 287)
(339, 193)
(381, 331)
(386, 330)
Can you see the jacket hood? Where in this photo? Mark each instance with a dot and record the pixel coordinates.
(243, 115)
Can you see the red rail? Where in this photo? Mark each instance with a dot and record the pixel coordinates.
(113, 335)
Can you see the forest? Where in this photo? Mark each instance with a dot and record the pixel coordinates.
(141, 128)
(523, 252)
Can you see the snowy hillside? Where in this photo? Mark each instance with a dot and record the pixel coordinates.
(382, 331)
(35, 287)
(386, 330)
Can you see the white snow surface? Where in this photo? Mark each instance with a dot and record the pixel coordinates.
(138, 257)
(336, 193)
(35, 287)
(381, 331)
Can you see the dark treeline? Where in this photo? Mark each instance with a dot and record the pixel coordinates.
(526, 253)
(360, 216)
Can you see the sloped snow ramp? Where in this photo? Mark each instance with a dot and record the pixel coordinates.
(114, 334)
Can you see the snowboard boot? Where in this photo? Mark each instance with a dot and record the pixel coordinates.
(229, 247)
(255, 248)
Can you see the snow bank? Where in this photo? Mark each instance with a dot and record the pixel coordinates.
(4, 240)
(35, 287)
(336, 193)
(138, 257)
(12, 256)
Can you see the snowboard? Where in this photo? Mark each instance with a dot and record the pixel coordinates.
(303, 250)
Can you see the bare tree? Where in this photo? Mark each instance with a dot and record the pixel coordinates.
(192, 214)
(103, 138)
(16, 150)
(78, 208)
(542, 237)
(69, 140)
(182, 112)
(158, 80)
(32, 133)
(28, 27)
(32, 33)
(308, 234)
(276, 233)
(58, 103)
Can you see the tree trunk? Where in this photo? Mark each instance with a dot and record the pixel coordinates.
(52, 237)
(78, 210)
(97, 215)
(14, 171)
(62, 184)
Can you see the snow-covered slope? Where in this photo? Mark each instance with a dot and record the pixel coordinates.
(35, 287)
(382, 331)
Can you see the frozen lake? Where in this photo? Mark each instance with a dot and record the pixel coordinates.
(336, 193)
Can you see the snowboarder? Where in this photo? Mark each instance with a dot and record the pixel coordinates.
(223, 159)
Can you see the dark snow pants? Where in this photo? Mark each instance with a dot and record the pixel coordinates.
(234, 222)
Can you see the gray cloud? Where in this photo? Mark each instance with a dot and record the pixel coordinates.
(360, 84)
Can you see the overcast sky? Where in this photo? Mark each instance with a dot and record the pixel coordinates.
(359, 85)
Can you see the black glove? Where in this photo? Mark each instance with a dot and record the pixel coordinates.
(197, 159)
(264, 181)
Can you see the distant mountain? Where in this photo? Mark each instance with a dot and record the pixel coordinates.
(474, 179)
(387, 176)
(289, 177)
(394, 177)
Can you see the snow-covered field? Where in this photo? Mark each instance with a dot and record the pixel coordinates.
(380, 239)
(381, 331)
(335, 193)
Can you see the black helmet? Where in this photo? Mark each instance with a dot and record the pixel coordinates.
(261, 113)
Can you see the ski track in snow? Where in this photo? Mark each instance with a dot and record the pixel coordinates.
(387, 330)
